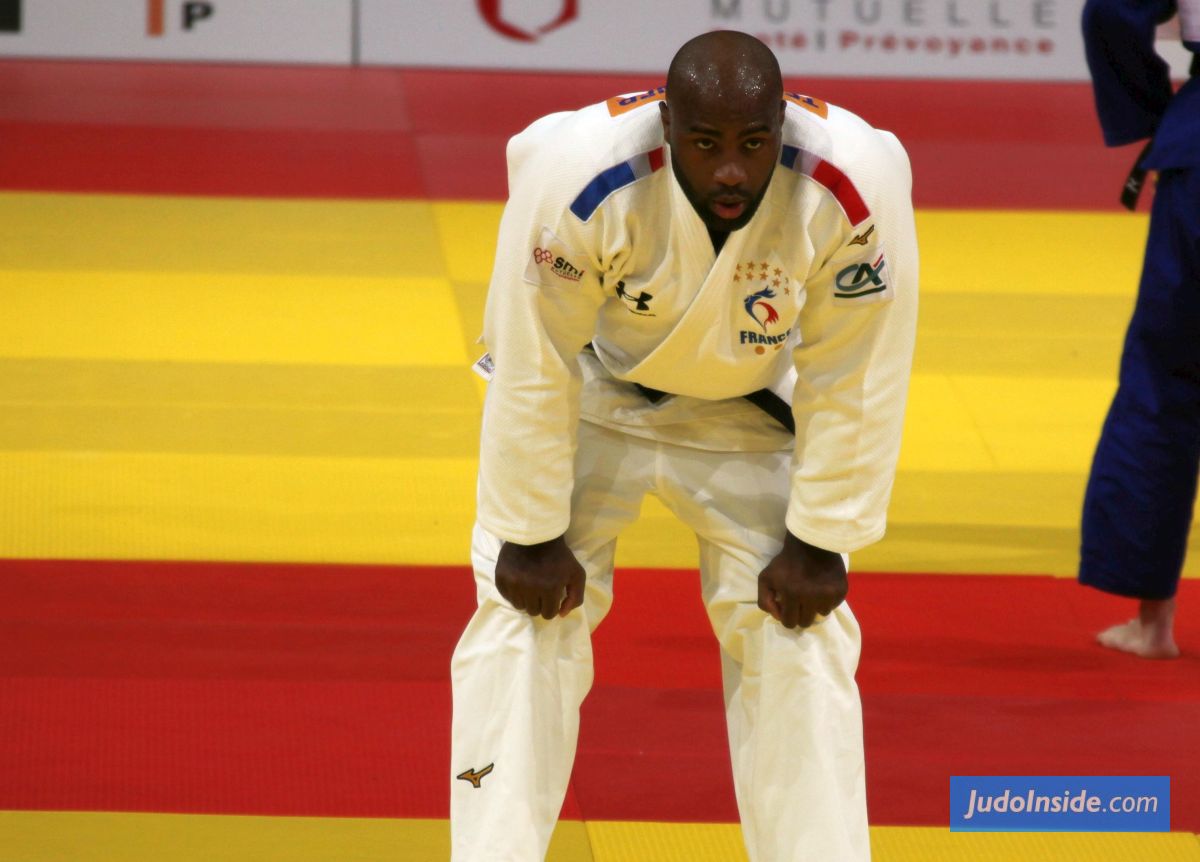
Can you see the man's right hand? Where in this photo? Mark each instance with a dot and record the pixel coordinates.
(542, 580)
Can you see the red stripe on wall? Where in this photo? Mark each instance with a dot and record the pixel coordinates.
(372, 132)
(320, 163)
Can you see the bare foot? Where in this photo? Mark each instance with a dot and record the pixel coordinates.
(1151, 635)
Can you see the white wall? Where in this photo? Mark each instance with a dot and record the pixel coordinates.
(997, 39)
(269, 31)
(1030, 39)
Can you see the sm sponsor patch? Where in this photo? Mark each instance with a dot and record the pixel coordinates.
(864, 281)
(552, 263)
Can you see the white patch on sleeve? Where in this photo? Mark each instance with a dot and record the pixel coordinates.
(552, 263)
(485, 367)
(864, 280)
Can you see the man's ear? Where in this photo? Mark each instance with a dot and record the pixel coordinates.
(664, 113)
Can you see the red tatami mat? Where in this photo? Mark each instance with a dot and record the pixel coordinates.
(322, 690)
(204, 129)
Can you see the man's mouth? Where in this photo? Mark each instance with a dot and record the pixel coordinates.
(729, 207)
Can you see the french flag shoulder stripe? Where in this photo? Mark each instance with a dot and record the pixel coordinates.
(617, 177)
(825, 174)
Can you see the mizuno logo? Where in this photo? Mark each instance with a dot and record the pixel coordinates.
(476, 777)
(861, 239)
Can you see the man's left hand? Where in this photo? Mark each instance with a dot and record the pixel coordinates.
(802, 582)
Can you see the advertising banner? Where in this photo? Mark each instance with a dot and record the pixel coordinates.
(1060, 803)
(999, 39)
(1032, 40)
(269, 31)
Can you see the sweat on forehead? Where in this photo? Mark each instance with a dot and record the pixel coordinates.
(724, 67)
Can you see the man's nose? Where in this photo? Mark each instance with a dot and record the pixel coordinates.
(731, 173)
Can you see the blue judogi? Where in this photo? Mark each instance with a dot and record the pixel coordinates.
(1142, 488)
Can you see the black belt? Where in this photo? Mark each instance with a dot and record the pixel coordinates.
(774, 406)
(764, 399)
(1136, 180)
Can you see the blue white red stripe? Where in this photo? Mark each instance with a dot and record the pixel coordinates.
(614, 178)
(825, 174)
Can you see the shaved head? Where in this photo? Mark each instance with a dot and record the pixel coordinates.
(723, 121)
(724, 68)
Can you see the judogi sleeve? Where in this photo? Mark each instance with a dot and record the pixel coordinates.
(1130, 82)
(541, 310)
(858, 330)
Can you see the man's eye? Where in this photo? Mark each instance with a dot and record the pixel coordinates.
(754, 145)
(704, 145)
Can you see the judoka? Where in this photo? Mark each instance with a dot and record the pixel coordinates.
(706, 292)
(1141, 491)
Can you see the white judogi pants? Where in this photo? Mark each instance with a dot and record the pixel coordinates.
(792, 706)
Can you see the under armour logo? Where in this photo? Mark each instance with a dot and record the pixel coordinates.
(476, 777)
(641, 303)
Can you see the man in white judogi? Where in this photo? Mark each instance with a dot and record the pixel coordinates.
(708, 293)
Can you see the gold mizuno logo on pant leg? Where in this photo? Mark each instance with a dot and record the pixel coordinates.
(476, 777)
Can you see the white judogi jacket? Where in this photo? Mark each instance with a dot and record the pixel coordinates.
(815, 298)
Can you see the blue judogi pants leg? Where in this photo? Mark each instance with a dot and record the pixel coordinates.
(1138, 507)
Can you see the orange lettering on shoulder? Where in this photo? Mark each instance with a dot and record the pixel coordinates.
(808, 103)
(618, 105)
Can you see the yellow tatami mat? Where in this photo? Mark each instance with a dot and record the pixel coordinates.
(34, 836)
(288, 380)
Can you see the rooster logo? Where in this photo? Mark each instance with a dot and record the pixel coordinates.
(763, 312)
